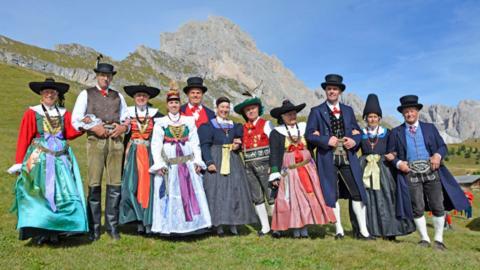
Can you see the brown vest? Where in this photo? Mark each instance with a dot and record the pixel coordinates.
(106, 108)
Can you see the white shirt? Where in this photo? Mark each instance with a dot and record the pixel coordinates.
(293, 129)
(80, 108)
(414, 124)
(267, 128)
(141, 111)
(331, 106)
(224, 121)
(174, 117)
(374, 130)
(51, 110)
(195, 113)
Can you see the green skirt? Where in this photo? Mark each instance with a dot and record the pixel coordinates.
(34, 212)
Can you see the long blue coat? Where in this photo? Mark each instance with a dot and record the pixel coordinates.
(319, 120)
(454, 198)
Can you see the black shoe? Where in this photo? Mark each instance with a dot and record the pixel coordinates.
(439, 246)
(261, 234)
(94, 212)
(424, 244)
(140, 229)
(369, 238)
(339, 236)
(114, 234)
(112, 211)
(276, 234)
(94, 235)
(53, 239)
(40, 240)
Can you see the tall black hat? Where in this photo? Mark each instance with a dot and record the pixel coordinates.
(49, 83)
(409, 101)
(334, 79)
(372, 106)
(195, 82)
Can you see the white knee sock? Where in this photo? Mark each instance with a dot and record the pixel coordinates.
(361, 213)
(338, 224)
(263, 216)
(220, 230)
(421, 225)
(438, 223)
(296, 232)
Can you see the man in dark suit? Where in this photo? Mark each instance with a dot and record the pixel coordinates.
(332, 128)
(195, 91)
(423, 182)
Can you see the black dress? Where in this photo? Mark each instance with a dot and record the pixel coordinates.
(381, 213)
(228, 195)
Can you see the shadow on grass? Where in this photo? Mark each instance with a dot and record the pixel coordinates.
(474, 225)
(63, 242)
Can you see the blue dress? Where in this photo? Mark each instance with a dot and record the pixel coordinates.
(381, 208)
(228, 194)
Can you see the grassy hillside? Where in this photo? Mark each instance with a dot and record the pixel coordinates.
(204, 252)
(464, 158)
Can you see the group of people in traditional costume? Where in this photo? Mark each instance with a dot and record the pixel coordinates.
(194, 170)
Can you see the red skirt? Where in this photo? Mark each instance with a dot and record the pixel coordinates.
(300, 199)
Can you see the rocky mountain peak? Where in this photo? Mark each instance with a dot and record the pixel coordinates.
(454, 123)
(226, 51)
(74, 49)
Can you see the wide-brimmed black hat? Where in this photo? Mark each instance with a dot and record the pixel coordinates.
(131, 90)
(195, 82)
(287, 106)
(105, 68)
(409, 101)
(49, 83)
(372, 106)
(334, 79)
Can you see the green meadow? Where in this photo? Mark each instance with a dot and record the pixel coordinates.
(246, 251)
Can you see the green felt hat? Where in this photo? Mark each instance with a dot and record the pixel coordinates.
(251, 101)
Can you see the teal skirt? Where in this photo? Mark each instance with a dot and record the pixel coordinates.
(35, 213)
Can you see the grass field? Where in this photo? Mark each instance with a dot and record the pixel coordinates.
(206, 252)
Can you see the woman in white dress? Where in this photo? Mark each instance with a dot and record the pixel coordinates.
(180, 205)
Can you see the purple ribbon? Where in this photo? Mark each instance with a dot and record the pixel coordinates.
(54, 145)
(189, 201)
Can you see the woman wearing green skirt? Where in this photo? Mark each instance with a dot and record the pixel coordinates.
(49, 198)
(137, 182)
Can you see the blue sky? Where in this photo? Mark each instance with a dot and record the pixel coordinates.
(430, 48)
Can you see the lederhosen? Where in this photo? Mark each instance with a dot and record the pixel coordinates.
(104, 153)
(347, 188)
(256, 152)
(424, 186)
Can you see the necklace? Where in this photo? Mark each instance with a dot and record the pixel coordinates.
(174, 121)
(290, 135)
(223, 126)
(143, 125)
(51, 125)
(375, 141)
